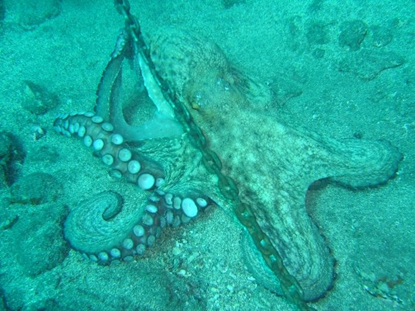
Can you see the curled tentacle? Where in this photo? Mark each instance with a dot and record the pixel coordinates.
(106, 228)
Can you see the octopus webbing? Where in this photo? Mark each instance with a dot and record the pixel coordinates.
(208, 144)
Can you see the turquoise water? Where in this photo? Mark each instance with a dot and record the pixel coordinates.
(338, 69)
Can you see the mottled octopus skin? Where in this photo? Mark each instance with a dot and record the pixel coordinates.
(272, 164)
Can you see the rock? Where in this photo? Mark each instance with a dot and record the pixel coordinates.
(36, 188)
(44, 154)
(381, 35)
(284, 89)
(37, 99)
(230, 3)
(317, 33)
(352, 34)
(5, 145)
(12, 156)
(8, 216)
(318, 53)
(367, 64)
(3, 306)
(11, 159)
(5, 154)
(31, 13)
(1, 11)
(38, 239)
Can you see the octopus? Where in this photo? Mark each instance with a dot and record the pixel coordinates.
(208, 144)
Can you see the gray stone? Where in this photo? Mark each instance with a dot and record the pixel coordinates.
(38, 240)
(37, 99)
(36, 188)
(31, 13)
(367, 64)
(352, 34)
(381, 35)
(5, 151)
(317, 33)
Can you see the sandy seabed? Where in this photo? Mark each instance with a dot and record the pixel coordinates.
(340, 69)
